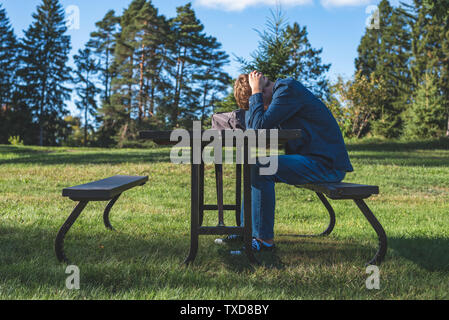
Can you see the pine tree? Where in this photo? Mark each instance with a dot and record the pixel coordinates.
(305, 62)
(212, 79)
(86, 69)
(8, 56)
(186, 58)
(385, 53)
(150, 53)
(121, 109)
(285, 51)
(103, 43)
(430, 48)
(228, 103)
(44, 70)
(15, 117)
(272, 55)
(425, 116)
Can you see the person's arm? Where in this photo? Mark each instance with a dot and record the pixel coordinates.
(283, 106)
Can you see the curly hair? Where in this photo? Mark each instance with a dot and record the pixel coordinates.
(242, 91)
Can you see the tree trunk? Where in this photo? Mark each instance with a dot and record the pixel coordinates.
(152, 97)
(130, 85)
(141, 98)
(447, 132)
(106, 73)
(203, 111)
(85, 126)
(41, 112)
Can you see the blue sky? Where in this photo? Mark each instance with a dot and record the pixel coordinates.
(334, 25)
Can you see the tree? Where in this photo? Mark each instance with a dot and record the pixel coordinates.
(86, 69)
(363, 101)
(425, 120)
(285, 51)
(305, 62)
(385, 53)
(123, 99)
(187, 40)
(8, 59)
(212, 79)
(44, 70)
(272, 54)
(150, 49)
(430, 47)
(228, 103)
(15, 118)
(103, 43)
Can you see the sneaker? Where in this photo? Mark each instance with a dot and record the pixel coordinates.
(256, 246)
(229, 239)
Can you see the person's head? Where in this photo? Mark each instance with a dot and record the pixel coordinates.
(243, 91)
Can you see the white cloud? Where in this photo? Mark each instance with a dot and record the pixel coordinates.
(342, 3)
(239, 5)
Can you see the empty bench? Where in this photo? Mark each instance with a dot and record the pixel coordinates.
(357, 193)
(108, 189)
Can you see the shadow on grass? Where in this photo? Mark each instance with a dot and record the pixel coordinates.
(401, 153)
(124, 264)
(82, 156)
(402, 160)
(380, 145)
(430, 254)
(30, 245)
(388, 152)
(305, 252)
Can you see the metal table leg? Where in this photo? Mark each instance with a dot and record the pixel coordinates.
(248, 229)
(194, 220)
(219, 187)
(201, 193)
(238, 195)
(331, 225)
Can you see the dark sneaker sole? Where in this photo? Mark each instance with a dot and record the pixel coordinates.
(263, 249)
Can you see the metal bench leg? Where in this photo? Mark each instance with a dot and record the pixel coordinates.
(106, 221)
(59, 241)
(380, 255)
(331, 211)
(331, 225)
(247, 189)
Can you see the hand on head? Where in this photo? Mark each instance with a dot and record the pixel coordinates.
(257, 81)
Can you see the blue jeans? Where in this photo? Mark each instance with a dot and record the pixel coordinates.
(292, 170)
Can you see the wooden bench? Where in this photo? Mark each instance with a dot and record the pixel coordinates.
(357, 193)
(108, 189)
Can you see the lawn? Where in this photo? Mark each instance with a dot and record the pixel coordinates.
(143, 258)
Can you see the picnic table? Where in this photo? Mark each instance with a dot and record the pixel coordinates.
(197, 184)
(335, 191)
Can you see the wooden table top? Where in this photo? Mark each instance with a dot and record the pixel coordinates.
(163, 137)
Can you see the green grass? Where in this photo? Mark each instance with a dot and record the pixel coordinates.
(143, 258)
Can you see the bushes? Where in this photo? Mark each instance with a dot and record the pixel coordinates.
(15, 141)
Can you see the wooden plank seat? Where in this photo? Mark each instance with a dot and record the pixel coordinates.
(108, 189)
(357, 193)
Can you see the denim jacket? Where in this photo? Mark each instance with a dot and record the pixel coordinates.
(295, 107)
